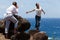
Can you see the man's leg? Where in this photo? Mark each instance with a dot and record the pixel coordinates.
(6, 28)
(14, 20)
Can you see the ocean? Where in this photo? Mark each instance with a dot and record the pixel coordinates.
(49, 25)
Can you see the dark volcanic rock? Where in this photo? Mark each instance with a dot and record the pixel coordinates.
(1, 26)
(23, 25)
(32, 32)
(21, 36)
(40, 36)
(36, 35)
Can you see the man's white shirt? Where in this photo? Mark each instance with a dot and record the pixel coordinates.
(10, 11)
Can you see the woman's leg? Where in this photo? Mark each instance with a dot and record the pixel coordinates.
(38, 22)
(37, 25)
(35, 21)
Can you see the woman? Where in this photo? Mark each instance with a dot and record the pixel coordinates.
(39, 11)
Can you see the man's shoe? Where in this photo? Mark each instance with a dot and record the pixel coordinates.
(6, 36)
(15, 31)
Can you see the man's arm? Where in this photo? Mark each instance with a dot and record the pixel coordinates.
(15, 10)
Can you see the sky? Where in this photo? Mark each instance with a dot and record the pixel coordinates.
(51, 8)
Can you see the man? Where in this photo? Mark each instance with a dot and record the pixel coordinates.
(12, 10)
(39, 11)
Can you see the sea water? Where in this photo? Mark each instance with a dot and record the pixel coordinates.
(49, 25)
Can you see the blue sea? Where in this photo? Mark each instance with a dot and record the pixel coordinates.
(49, 25)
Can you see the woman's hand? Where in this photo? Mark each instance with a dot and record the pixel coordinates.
(27, 12)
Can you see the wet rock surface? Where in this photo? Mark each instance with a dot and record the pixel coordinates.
(32, 35)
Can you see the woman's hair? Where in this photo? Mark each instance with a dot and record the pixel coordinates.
(37, 5)
(14, 3)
